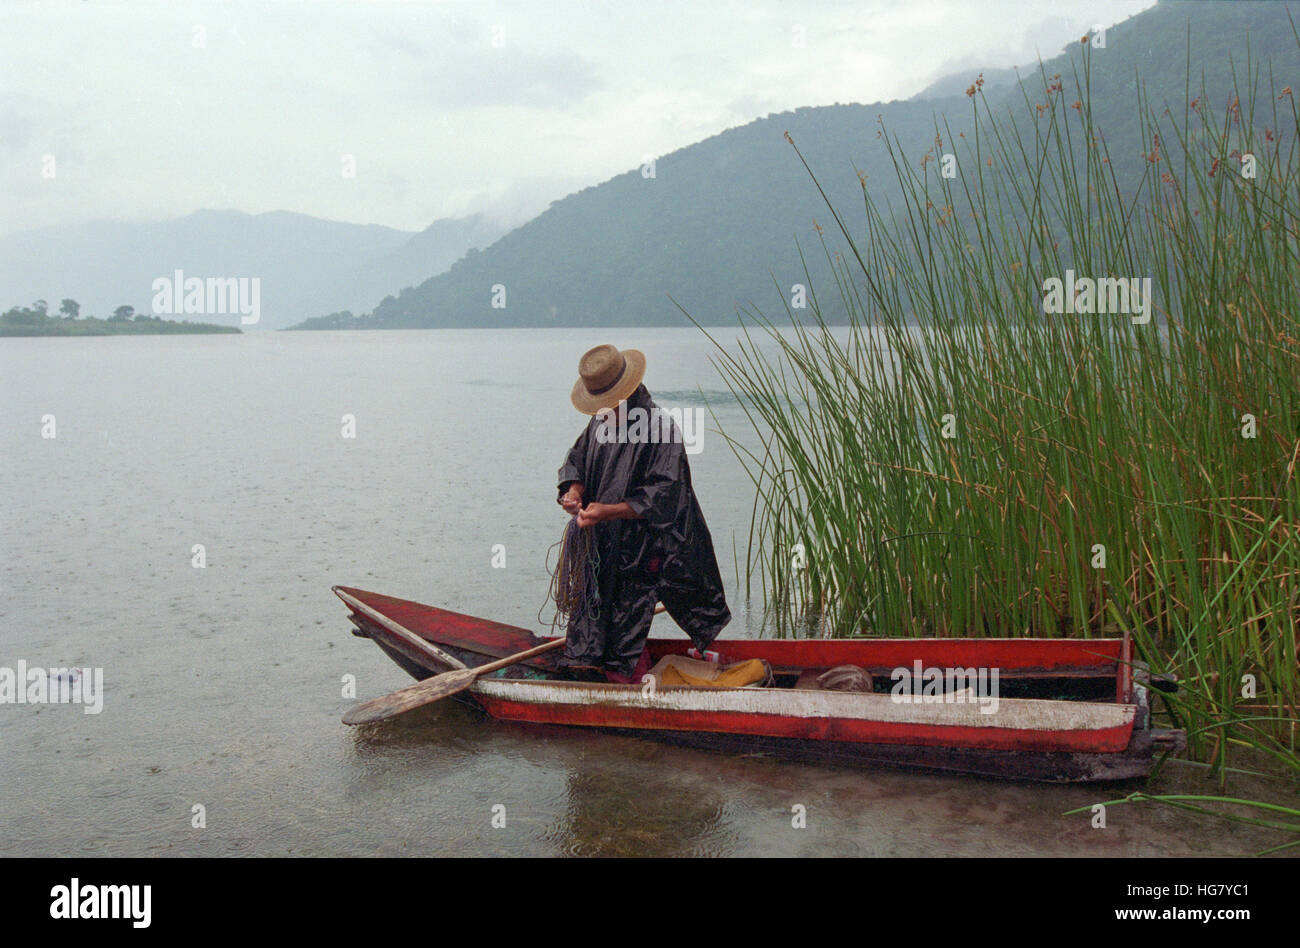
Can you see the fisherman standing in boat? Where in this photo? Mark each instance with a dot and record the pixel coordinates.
(627, 480)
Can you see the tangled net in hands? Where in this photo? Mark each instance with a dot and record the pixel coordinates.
(573, 578)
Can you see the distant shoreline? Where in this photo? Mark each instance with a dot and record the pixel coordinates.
(125, 329)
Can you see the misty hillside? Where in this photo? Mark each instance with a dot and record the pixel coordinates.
(720, 217)
(306, 265)
(947, 87)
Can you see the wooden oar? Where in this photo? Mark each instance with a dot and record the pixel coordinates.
(434, 689)
(439, 686)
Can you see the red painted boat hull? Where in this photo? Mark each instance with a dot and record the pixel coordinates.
(1105, 736)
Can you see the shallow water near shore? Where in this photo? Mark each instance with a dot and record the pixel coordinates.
(223, 684)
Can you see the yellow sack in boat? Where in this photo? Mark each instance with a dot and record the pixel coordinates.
(680, 670)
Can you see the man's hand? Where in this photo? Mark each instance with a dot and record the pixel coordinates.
(571, 499)
(595, 513)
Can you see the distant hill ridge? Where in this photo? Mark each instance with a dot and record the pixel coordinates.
(721, 217)
(306, 265)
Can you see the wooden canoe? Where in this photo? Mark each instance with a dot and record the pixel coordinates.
(1065, 709)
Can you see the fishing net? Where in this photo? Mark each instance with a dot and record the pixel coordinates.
(574, 589)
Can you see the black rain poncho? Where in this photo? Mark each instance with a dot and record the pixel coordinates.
(666, 556)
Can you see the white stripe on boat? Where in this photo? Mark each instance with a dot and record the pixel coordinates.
(1034, 714)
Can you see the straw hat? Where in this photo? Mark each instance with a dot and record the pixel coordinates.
(606, 376)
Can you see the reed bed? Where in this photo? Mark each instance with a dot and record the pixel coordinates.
(956, 461)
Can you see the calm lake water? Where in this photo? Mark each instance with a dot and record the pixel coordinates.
(223, 684)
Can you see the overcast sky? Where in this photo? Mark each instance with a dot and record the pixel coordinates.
(154, 110)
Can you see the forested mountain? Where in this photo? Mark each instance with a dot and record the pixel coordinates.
(713, 224)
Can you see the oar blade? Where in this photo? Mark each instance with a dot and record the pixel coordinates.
(411, 697)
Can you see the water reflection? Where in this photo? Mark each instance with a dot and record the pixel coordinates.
(633, 806)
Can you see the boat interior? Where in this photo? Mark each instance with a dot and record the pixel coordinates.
(1092, 670)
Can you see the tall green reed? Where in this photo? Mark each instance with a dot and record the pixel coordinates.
(955, 461)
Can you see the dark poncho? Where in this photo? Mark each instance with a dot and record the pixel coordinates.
(667, 556)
